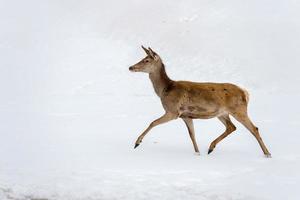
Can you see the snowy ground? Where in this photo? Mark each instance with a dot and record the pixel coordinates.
(70, 111)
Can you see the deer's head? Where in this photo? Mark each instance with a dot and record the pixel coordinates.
(149, 64)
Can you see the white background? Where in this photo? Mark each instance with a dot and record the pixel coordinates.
(70, 111)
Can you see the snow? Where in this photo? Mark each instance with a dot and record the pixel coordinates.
(70, 111)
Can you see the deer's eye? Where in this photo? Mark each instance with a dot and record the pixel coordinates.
(146, 61)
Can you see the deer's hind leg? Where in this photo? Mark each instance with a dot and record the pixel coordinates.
(189, 124)
(229, 129)
(243, 118)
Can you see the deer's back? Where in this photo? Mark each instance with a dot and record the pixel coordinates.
(203, 100)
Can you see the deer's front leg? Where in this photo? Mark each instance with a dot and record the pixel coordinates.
(190, 125)
(165, 118)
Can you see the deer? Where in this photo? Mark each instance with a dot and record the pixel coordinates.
(196, 100)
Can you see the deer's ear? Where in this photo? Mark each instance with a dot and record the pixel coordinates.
(153, 54)
(146, 50)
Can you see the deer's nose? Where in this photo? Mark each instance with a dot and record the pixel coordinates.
(131, 68)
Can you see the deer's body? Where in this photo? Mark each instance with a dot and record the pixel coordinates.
(202, 100)
(191, 100)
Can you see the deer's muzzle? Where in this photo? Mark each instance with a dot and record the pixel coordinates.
(132, 69)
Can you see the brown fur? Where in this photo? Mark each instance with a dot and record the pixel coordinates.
(191, 100)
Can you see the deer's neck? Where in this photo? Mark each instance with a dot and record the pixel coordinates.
(160, 80)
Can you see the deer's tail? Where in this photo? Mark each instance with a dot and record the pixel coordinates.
(246, 94)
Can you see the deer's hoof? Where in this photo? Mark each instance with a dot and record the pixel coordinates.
(209, 151)
(268, 155)
(136, 145)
